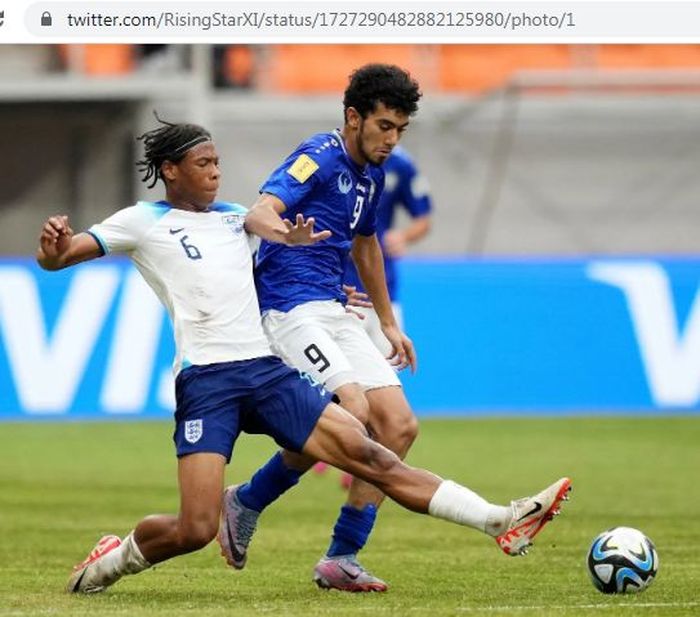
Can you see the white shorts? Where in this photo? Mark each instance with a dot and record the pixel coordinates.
(371, 325)
(323, 340)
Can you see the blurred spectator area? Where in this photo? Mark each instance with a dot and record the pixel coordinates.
(471, 69)
(529, 149)
(468, 69)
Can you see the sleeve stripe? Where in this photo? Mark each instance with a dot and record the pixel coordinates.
(100, 242)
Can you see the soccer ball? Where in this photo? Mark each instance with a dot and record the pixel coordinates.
(622, 560)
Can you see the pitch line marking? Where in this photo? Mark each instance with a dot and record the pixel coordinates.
(539, 607)
(470, 609)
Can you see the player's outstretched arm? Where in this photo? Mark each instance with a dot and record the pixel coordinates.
(264, 220)
(60, 248)
(301, 232)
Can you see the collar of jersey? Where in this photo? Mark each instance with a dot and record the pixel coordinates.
(363, 171)
(216, 206)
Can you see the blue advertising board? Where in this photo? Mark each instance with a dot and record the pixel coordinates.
(546, 336)
(596, 335)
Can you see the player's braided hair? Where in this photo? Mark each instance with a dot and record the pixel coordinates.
(381, 83)
(169, 142)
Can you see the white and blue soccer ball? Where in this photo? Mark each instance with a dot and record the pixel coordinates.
(622, 560)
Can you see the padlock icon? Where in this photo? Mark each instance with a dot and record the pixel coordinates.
(46, 19)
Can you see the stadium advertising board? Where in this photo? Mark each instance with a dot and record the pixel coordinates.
(594, 335)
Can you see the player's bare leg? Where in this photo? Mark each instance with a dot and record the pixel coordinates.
(342, 441)
(161, 536)
(392, 424)
(201, 478)
(352, 397)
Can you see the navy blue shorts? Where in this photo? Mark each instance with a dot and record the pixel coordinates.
(215, 402)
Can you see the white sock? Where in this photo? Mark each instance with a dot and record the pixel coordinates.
(125, 559)
(133, 560)
(458, 504)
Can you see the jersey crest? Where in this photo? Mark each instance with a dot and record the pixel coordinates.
(344, 182)
(194, 429)
(234, 222)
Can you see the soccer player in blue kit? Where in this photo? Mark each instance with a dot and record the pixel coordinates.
(405, 189)
(194, 252)
(337, 179)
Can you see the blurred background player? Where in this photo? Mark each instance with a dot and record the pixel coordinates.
(336, 178)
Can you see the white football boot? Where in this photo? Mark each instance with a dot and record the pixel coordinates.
(87, 576)
(530, 515)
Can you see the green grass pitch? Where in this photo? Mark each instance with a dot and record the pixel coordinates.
(63, 485)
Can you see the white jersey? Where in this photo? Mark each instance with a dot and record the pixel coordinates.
(199, 265)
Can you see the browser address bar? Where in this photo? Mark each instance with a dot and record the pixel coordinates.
(429, 21)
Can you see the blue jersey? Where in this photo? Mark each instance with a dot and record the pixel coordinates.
(406, 188)
(318, 179)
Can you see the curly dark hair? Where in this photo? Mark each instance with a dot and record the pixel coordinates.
(381, 83)
(169, 142)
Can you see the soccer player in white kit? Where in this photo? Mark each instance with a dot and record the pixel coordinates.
(194, 253)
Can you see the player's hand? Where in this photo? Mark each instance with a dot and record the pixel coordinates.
(357, 298)
(357, 314)
(301, 233)
(402, 352)
(55, 238)
(394, 243)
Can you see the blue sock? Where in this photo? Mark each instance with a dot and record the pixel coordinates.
(352, 530)
(268, 483)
